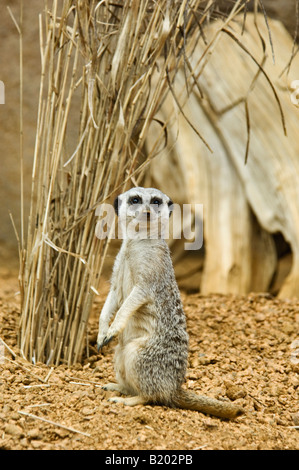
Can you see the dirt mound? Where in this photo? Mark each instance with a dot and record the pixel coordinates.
(241, 348)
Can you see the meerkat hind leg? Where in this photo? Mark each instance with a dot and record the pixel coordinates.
(130, 401)
(113, 387)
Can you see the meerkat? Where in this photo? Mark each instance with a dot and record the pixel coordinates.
(150, 359)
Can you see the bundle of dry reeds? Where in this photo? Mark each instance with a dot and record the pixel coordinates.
(98, 62)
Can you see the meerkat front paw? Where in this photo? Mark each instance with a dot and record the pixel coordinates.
(103, 340)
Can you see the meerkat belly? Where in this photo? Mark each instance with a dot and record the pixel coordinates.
(141, 325)
(132, 341)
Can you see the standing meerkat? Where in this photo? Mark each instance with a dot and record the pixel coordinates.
(151, 355)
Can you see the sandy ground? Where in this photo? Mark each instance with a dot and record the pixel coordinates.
(241, 348)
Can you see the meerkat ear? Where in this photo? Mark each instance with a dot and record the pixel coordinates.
(170, 207)
(116, 204)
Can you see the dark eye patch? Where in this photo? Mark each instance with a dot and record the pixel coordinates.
(156, 201)
(135, 200)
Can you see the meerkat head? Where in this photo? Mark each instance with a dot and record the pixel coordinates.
(143, 212)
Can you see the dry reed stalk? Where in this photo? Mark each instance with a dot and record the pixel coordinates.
(53, 423)
(98, 61)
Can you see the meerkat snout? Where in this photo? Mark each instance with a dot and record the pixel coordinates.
(147, 214)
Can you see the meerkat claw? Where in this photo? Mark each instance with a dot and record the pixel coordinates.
(116, 399)
(104, 342)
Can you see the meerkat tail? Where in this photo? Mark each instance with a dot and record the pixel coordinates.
(221, 409)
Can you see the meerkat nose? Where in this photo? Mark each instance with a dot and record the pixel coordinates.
(147, 212)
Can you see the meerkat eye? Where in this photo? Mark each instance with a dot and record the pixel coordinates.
(156, 201)
(135, 200)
